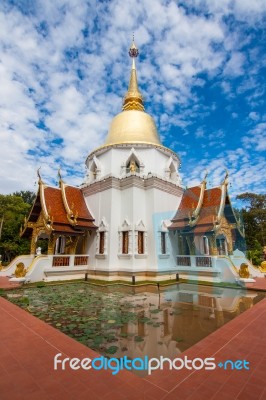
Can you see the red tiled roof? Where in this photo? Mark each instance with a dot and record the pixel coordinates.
(188, 203)
(75, 197)
(190, 198)
(54, 205)
(66, 229)
(53, 200)
(208, 211)
(212, 197)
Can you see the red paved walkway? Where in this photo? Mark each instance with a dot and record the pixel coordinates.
(6, 284)
(28, 346)
(260, 284)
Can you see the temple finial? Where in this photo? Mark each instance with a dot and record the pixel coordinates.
(133, 98)
(59, 176)
(39, 176)
(226, 180)
(205, 177)
(133, 51)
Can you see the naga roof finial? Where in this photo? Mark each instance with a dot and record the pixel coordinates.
(39, 176)
(59, 175)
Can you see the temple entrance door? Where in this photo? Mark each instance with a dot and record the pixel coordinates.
(80, 249)
(41, 244)
(60, 245)
(221, 245)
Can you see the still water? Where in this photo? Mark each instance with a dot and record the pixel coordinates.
(134, 322)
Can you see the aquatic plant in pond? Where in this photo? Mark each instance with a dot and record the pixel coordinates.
(91, 316)
(117, 322)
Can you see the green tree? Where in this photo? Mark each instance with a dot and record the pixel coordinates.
(13, 210)
(254, 216)
(27, 196)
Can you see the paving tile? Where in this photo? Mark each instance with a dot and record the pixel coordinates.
(250, 390)
(27, 348)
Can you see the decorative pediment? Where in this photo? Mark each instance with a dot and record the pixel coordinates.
(140, 226)
(133, 163)
(95, 169)
(103, 226)
(164, 226)
(171, 169)
(126, 226)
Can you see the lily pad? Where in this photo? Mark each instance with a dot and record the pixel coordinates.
(138, 339)
(111, 350)
(178, 339)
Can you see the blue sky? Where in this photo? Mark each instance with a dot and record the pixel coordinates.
(64, 68)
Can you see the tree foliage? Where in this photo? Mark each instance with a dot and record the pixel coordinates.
(254, 216)
(13, 209)
(27, 196)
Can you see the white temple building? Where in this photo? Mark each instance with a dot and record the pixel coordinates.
(131, 219)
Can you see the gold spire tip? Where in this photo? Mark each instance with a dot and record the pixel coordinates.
(133, 98)
(133, 50)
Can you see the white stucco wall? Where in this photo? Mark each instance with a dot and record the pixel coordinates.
(132, 202)
(112, 160)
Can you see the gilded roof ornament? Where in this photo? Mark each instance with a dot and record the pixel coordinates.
(133, 99)
(205, 177)
(39, 176)
(133, 125)
(133, 51)
(60, 179)
(226, 180)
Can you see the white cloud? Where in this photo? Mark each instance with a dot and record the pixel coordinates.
(234, 66)
(64, 70)
(254, 116)
(256, 138)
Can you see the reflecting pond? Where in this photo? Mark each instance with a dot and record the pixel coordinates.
(117, 320)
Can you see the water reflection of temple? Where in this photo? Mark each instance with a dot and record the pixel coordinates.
(171, 321)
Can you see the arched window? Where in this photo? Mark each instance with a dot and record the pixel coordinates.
(163, 242)
(101, 242)
(125, 237)
(132, 166)
(102, 236)
(221, 245)
(94, 169)
(140, 242)
(163, 238)
(60, 245)
(171, 169)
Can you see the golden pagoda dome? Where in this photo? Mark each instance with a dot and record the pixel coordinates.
(133, 124)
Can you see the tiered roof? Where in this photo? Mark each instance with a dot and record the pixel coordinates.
(64, 210)
(201, 209)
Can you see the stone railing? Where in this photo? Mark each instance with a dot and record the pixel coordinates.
(203, 261)
(194, 261)
(183, 261)
(70, 260)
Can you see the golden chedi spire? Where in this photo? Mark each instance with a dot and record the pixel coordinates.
(133, 124)
(133, 99)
